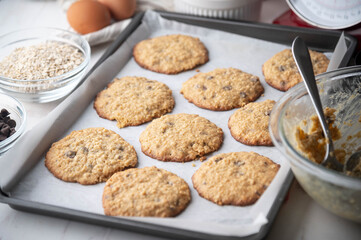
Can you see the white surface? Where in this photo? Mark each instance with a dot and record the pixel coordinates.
(299, 218)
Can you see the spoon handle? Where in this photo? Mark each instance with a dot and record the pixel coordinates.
(303, 61)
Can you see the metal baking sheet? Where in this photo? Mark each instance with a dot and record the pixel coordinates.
(25, 193)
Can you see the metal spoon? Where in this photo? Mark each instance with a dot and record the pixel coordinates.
(352, 162)
(304, 64)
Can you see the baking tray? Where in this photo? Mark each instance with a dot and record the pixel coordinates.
(316, 39)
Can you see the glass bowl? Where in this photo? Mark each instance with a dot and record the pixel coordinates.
(17, 113)
(339, 89)
(47, 89)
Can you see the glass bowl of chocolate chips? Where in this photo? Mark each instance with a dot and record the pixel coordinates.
(12, 121)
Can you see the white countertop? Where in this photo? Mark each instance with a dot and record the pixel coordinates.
(299, 217)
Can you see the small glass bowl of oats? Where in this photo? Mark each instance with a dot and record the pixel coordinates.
(42, 64)
(293, 119)
(12, 121)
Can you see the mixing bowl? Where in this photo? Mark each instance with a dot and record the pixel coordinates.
(341, 90)
(42, 89)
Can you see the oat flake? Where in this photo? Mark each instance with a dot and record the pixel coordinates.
(41, 61)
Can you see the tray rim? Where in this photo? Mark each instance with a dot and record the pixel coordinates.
(237, 27)
(142, 227)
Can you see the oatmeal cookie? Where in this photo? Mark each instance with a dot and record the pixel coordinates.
(180, 138)
(170, 54)
(145, 192)
(237, 178)
(249, 124)
(89, 156)
(281, 72)
(132, 101)
(222, 89)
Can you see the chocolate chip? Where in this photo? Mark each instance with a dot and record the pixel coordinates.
(209, 77)
(149, 87)
(4, 112)
(238, 163)
(6, 119)
(170, 123)
(281, 68)
(254, 79)
(11, 123)
(12, 131)
(5, 130)
(267, 113)
(218, 159)
(85, 150)
(121, 148)
(258, 193)
(201, 86)
(227, 88)
(70, 154)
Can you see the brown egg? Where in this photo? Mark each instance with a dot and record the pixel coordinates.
(88, 16)
(120, 9)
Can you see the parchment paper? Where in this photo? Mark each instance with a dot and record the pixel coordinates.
(225, 50)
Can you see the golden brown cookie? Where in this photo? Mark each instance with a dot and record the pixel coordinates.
(180, 137)
(222, 89)
(133, 101)
(170, 54)
(281, 72)
(237, 178)
(89, 156)
(145, 192)
(249, 124)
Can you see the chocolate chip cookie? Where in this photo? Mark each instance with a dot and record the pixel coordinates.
(145, 192)
(249, 124)
(222, 89)
(281, 72)
(170, 54)
(89, 156)
(237, 178)
(132, 101)
(180, 137)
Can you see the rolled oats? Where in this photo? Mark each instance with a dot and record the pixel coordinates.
(41, 61)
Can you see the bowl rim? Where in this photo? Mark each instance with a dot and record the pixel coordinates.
(22, 127)
(86, 52)
(294, 157)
